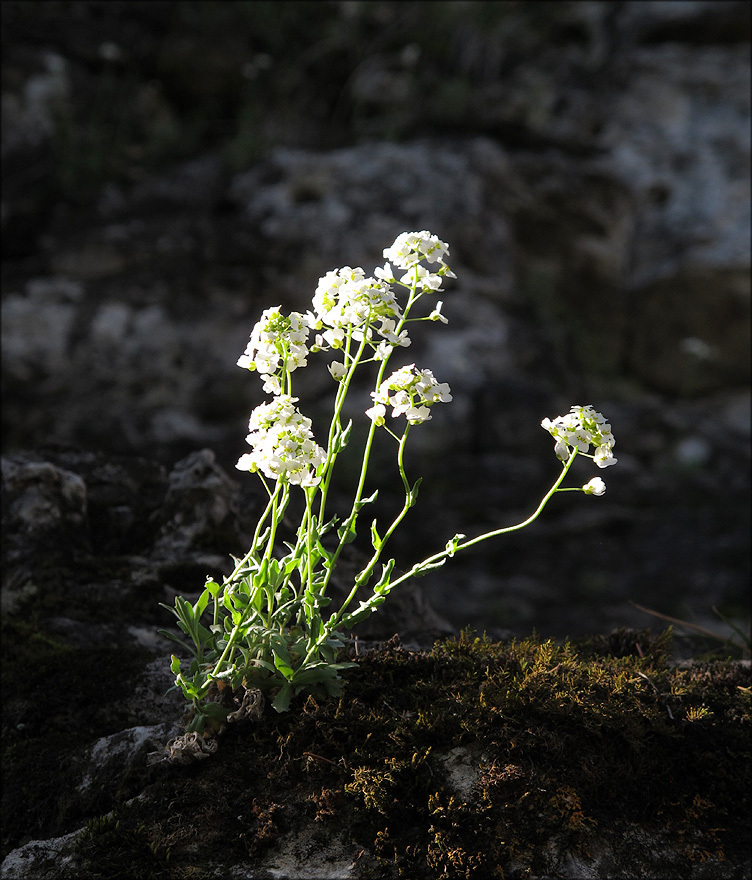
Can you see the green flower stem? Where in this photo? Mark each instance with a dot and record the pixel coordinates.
(271, 508)
(444, 554)
(336, 425)
(262, 519)
(411, 300)
(365, 574)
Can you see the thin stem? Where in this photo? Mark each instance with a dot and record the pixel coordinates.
(444, 554)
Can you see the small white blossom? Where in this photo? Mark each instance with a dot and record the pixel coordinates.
(337, 370)
(376, 413)
(421, 278)
(272, 385)
(386, 274)
(436, 314)
(596, 486)
(603, 456)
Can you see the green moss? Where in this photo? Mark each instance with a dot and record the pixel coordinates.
(552, 738)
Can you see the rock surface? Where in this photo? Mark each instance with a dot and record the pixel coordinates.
(588, 164)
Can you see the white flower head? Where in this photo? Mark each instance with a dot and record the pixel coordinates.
(278, 342)
(581, 428)
(408, 392)
(410, 248)
(282, 443)
(346, 300)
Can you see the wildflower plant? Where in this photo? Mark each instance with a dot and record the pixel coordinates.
(269, 626)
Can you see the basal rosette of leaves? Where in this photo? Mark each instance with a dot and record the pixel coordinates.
(269, 625)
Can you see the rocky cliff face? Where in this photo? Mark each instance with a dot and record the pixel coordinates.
(588, 164)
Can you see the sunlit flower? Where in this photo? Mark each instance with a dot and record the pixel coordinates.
(282, 443)
(596, 486)
(278, 342)
(581, 428)
(604, 457)
(410, 248)
(409, 392)
(346, 299)
(436, 314)
(376, 413)
(421, 278)
(337, 370)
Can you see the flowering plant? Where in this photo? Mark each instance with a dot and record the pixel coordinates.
(268, 626)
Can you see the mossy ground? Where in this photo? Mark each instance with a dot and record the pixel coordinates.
(559, 739)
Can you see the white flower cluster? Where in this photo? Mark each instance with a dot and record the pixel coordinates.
(347, 305)
(580, 429)
(407, 252)
(346, 298)
(347, 302)
(413, 393)
(277, 344)
(282, 443)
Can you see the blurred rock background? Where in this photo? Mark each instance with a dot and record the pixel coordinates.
(170, 169)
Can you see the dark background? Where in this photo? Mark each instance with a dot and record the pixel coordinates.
(171, 169)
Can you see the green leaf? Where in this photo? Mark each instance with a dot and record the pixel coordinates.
(386, 573)
(202, 602)
(364, 610)
(214, 710)
(283, 667)
(327, 527)
(451, 546)
(413, 496)
(318, 672)
(362, 503)
(175, 665)
(261, 578)
(346, 536)
(344, 437)
(375, 537)
(281, 702)
(213, 587)
(174, 638)
(420, 571)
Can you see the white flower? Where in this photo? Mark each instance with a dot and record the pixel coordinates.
(562, 450)
(385, 274)
(417, 414)
(422, 278)
(376, 413)
(603, 456)
(436, 314)
(337, 370)
(409, 392)
(335, 337)
(596, 486)
(272, 385)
